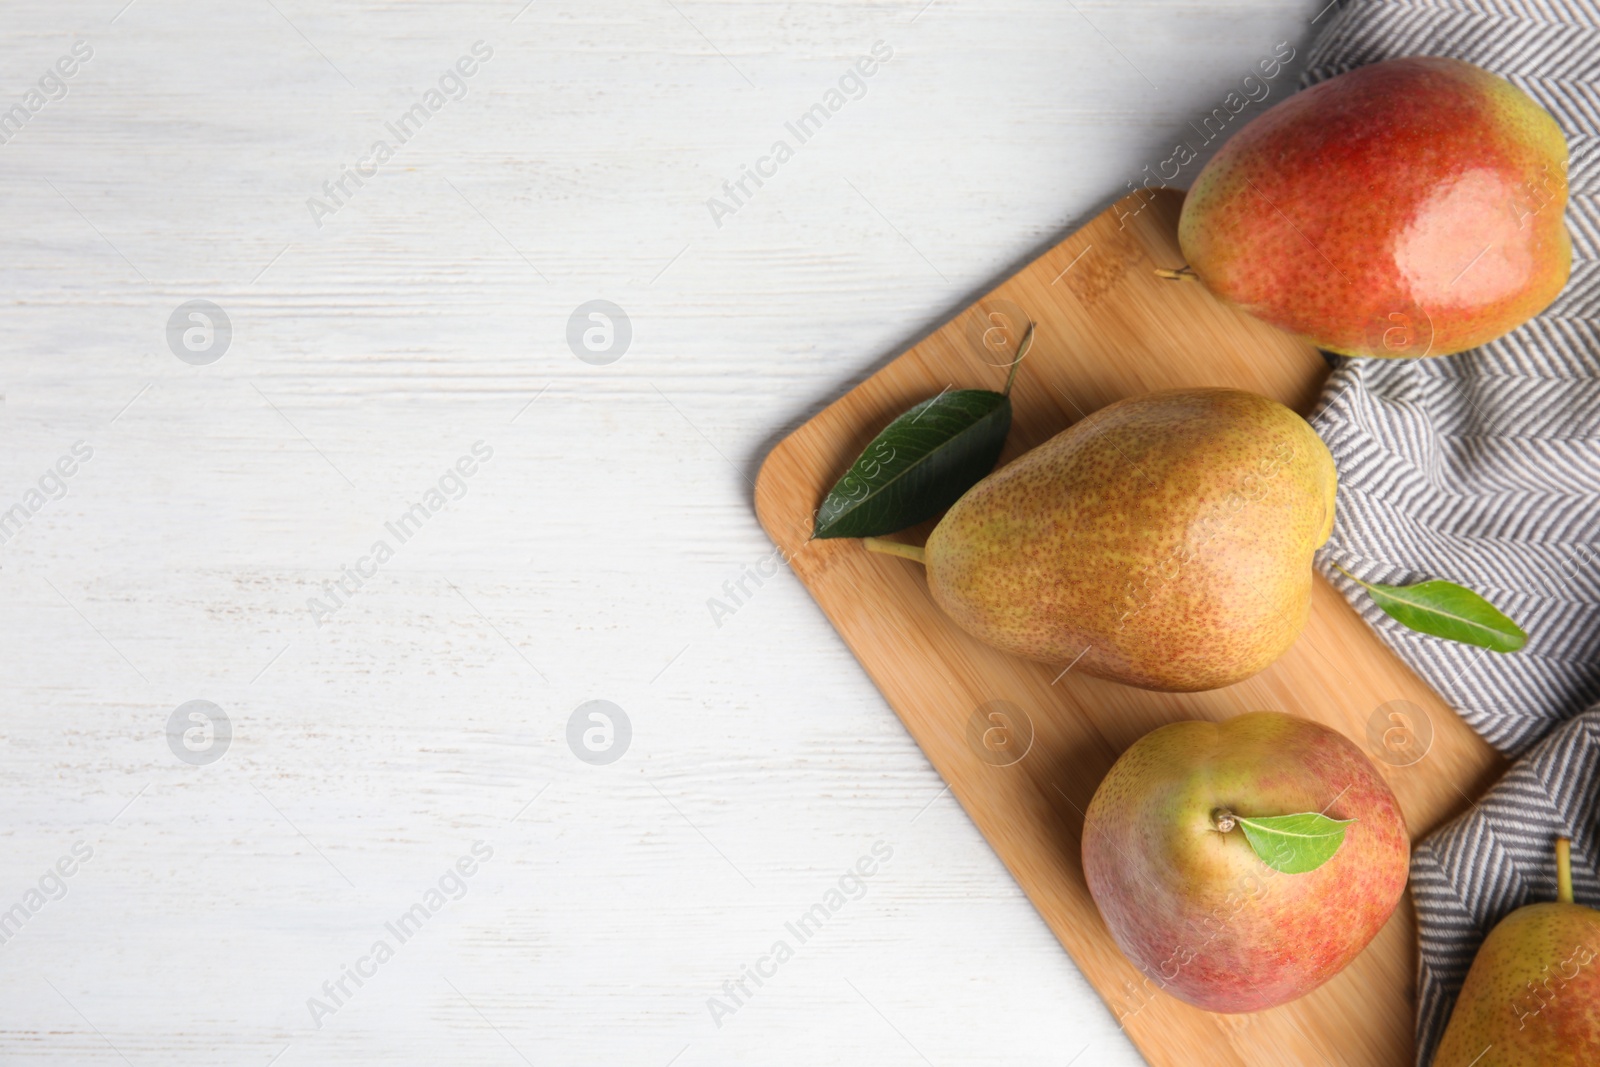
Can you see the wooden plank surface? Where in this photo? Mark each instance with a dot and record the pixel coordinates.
(1108, 328)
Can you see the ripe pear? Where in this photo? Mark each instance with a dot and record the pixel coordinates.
(1532, 997)
(1164, 541)
(1191, 901)
(1406, 208)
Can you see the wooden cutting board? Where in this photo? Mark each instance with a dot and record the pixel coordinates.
(1022, 746)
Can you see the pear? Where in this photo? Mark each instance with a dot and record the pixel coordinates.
(1413, 207)
(1532, 996)
(1191, 901)
(1163, 542)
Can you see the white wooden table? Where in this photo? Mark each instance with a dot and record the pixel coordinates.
(353, 751)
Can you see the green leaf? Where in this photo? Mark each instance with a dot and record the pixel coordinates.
(919, 465)
(1446, 610)
(1294, 844)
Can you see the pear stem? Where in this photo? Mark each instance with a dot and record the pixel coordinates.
(1564, 870)
(1022, 350)
(893, 548)
(1223, 820)
(1182, 274)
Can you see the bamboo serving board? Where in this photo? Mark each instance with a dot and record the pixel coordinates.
(1023, 746)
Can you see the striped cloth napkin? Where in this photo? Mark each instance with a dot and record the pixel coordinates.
(1484, 469)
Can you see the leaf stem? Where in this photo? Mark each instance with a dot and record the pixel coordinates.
(1182, 274)
(1564, 870)
(894, 548)
(1223, 820)
(1022, 350)
(1350, 576)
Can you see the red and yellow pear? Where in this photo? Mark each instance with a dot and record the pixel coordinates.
(1411, 207)
(1192, 848)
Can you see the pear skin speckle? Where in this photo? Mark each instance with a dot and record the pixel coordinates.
(1194, 908)
(1412, 207)
(1532, 997)
(1169, 534)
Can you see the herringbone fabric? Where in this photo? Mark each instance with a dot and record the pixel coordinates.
(1484, 468)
